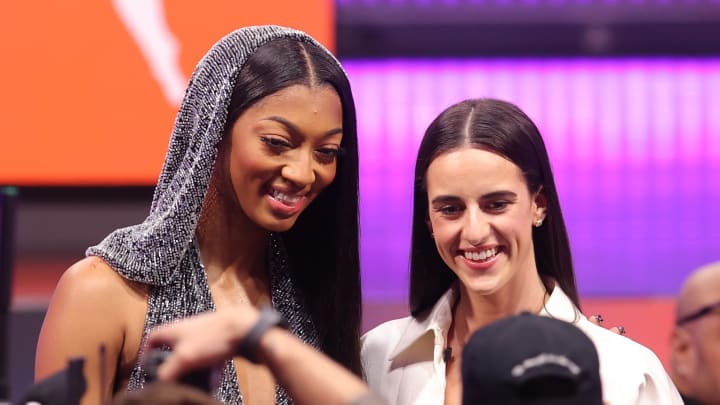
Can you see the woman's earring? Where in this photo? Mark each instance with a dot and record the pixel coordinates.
(538, 223)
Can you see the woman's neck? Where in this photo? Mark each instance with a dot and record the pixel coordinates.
(473, 311)
(230, 243)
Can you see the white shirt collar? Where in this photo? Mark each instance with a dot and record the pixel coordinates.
(559, 306)
(437, 321)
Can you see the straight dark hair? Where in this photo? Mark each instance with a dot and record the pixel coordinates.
(502, 128)
(323, 245)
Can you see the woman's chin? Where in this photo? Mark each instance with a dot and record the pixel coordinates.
(278, 224)
(481, 286)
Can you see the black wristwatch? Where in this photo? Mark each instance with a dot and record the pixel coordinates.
(268, 319)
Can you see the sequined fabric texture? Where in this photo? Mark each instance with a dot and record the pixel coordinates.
(160, 251)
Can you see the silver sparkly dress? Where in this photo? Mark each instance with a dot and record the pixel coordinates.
(161, 251)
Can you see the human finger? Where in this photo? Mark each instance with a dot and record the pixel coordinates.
(175, 364)
(162, 336)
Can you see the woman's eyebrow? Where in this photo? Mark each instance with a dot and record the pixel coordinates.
(499, 194)
(443, 199)
(493, 195)
(294, 130)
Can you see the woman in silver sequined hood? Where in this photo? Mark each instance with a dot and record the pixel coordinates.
(256, 203)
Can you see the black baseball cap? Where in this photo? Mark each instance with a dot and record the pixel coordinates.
(530, 359)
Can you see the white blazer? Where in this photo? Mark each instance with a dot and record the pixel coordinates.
(402, 358)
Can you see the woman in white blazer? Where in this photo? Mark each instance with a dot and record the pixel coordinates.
(488, 241)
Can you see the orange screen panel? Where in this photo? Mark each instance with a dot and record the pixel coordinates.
(90, 88)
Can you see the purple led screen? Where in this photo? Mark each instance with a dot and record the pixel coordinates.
(634, 143)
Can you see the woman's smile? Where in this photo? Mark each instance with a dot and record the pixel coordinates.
(285, 204)
(483, 259)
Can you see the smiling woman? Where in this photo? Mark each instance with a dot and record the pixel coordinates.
(488, 242)
(255, 204)
(283, 153)
(474, 192)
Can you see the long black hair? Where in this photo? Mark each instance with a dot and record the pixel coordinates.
(323, 245)
(504, 129)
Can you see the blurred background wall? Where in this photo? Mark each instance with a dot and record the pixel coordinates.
(625, 92)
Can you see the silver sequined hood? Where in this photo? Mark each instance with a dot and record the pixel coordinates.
(151, 252)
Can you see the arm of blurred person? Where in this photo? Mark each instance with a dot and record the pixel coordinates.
(309, 376)
(92, 306)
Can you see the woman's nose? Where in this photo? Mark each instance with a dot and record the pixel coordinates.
(476, 228)
(299, 170)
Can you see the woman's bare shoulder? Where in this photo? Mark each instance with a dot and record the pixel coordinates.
(93, 277)
(93, 306)
(91, 292)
